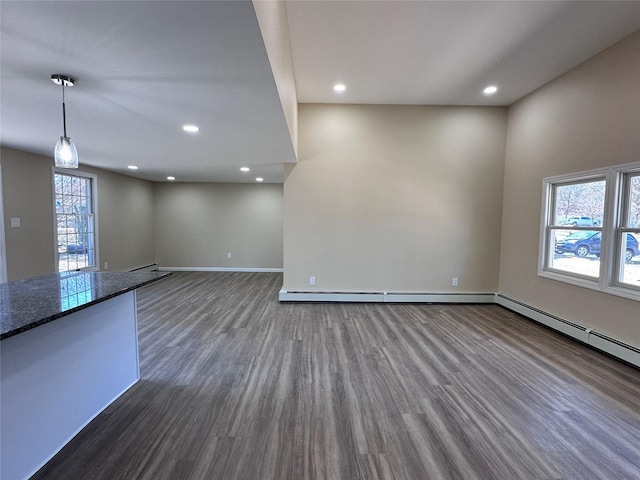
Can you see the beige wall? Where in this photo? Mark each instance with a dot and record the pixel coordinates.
(27, 194)
(125, 216)
(190, 225)
(395, 198)
(125, 212)
(197, 224)
(588, 118)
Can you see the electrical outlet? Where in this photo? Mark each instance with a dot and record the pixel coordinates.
(106, 265)
(312, 280)
(454, 281)
(228, 254)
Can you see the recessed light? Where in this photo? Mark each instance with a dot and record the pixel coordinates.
(171, 178)
(190, 128)
(259, 179)
(132, 167)
(490, 90)
(339, 87)
(245, 169)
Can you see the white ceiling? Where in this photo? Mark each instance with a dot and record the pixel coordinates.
(144, 69)
(446, 52)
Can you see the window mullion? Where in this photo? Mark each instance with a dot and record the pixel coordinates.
(607, 255)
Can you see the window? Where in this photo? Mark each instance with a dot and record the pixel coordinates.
(576, 227)
(628, 232)
(75, 230)
(591, 230)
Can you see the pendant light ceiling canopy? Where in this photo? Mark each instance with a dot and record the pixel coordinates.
(65, 153)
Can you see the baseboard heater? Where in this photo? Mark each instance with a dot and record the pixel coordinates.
(147, 268)
(384, 297)
(221, 269)
(589, 336)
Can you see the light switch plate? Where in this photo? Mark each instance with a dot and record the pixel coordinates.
(15, 222)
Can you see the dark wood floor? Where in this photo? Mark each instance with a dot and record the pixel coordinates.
(237, 386)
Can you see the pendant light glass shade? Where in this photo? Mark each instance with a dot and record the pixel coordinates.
(65, 153)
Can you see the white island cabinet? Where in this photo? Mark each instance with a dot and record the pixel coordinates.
(68, 349)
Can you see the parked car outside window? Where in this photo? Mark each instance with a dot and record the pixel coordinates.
(587, 242)
(582, 221)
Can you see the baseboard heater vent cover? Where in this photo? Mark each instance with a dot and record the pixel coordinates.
(147, 268)
(384, 297)
(598, 340)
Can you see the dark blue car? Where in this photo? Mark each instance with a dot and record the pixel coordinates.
(77, 248)
(586, 242)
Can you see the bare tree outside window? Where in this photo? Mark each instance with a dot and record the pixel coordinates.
(628, 235)
(75, 232)
(633, 219)
(579, 206)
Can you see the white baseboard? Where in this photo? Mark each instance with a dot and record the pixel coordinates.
(220, 269)
(371, 297)
(147, 268)
(385, 297)
(571, 329)
(439, 297)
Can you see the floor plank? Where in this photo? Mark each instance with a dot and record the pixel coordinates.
(235, 385)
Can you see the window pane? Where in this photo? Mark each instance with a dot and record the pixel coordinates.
(75, 290)
(66, 184)
(75, 229)
(633, 207)
(76, 186)
(630, 271)
(575, 252)
(579, 204)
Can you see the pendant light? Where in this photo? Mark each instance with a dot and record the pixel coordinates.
(65, 153)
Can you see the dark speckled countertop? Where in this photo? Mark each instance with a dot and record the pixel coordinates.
(29, 303)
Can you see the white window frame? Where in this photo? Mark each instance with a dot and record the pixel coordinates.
(620, 230)
(94, 206)
(612, 231)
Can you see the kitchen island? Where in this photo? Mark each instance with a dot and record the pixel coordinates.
(68, 349)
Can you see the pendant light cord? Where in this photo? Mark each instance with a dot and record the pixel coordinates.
(64, 111)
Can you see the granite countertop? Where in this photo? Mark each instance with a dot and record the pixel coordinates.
(29, 303)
